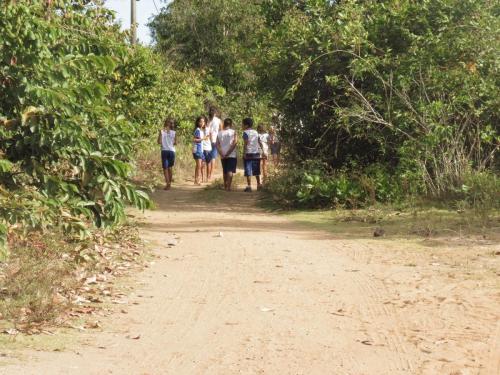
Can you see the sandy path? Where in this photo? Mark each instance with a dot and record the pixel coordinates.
(272, 297)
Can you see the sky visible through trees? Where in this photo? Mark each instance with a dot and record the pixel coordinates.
(145, 10)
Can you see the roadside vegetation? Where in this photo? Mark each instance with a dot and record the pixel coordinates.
(392, 103)
(378, 104)
(77, 103)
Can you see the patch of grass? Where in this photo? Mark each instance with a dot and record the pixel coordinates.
(34, 281)
(215, 191)
(47, 342)
(217, 184)
(425, 222)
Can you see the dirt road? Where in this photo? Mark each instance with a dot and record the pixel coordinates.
(248, 292)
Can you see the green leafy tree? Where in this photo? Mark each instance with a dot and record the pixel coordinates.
(413, 85)
(216, 36)
(71, 94)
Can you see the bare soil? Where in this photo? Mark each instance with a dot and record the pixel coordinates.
(244, 291)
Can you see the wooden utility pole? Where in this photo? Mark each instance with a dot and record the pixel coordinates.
(133, 22)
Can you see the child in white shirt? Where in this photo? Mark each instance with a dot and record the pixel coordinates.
(167, 140)
(226, 145)
(198, 136)
(206, 144)
(251, 153)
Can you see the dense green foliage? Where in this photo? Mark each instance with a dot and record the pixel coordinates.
(409, 86)
(374, 100)
(214, 35)
(75, 100)
(316, 185)
(219, 39)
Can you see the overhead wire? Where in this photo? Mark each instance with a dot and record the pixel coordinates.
(154, 2)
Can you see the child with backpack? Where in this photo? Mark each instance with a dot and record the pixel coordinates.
(251, 153)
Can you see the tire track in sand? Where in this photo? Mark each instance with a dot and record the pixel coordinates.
(206, 317)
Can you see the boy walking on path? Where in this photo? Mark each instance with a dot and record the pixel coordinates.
(226, 145)
(251, 153)
(167, 141)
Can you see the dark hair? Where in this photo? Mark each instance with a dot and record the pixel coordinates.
(213, 110)
(228, 122)
(169, 121)
(261, 128)
(248, 122)
(198, 119)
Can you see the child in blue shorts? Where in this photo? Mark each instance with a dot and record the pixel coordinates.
(198, 136)
(226, 145)
(206, 146)
(251, 153)
(167, 141)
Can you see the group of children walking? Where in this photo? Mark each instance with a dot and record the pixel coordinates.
(212, 138)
